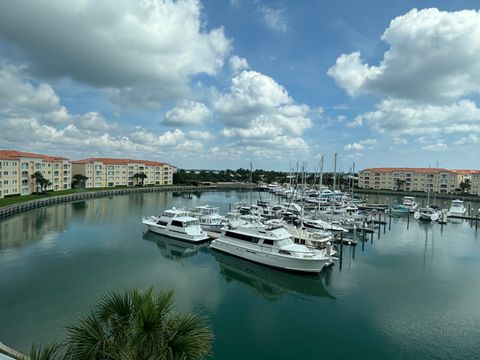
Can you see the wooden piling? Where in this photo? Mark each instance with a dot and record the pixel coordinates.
(390, 221)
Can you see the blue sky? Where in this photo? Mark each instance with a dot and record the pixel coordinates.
(217, 84)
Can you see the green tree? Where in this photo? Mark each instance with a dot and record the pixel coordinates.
(400, 183)
(37, 177)
(465, 185)
(44, 183)
(140, 176)
(133, 325)
(79, 181)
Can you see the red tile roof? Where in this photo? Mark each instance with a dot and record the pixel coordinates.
(16, 155)
(422, 170)
(466, 172)
(415, 170)
(112, 161)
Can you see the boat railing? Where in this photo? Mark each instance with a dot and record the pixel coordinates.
(291, 253)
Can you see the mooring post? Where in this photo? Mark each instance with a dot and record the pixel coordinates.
(341, 252)
(408, 219)
(390, 221)
(476, 222)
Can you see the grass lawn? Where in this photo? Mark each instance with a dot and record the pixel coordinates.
(18, 199)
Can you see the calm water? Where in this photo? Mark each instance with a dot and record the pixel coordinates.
(410, 294)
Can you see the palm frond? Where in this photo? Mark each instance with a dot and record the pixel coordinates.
(190, 337)
(44, 352)
(87, 340)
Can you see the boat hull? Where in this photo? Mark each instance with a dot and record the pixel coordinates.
(157, 229)
(272, 260)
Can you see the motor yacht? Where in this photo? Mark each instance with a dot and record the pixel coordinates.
(272, 246)
(409, 201)
(457, 208)
(208, 217)
(177, 224)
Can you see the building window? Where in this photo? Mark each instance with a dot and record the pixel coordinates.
(5, 173)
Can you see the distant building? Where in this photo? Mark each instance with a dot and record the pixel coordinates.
(16, 168)
(109, 172)
(418, 179)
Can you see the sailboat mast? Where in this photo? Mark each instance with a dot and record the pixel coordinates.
(320, 184)
(334, 182)
(353, 179)
(428, 186)
(251, 182)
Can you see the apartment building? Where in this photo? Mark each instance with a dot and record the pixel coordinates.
(417, 179)
(109, 172)
(16, 168)
(475, 182)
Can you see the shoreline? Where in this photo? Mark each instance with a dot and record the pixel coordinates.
(21, 206)
(420, 194)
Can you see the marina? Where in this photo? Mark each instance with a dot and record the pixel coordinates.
(399, 285)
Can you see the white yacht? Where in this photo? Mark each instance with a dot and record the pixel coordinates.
(457, 208)
(409, 201)
(318, 239)
(428, 213)
(208, 217)
(272, 246)
(322, 225)
(177, 224)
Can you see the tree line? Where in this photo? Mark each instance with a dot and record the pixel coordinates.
(183, 177)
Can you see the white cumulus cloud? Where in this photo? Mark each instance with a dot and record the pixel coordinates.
(404, 117)
(187, 113)
(238, 64)
(360, 145)
(432, 55)
(142, 51)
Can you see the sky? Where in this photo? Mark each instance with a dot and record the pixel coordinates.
(218, 84)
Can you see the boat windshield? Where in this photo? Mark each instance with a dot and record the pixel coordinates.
(284, 242)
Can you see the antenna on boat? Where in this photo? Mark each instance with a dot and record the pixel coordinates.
(334, 183)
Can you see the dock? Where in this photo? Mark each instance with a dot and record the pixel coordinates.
(12, 353)
(213, 235)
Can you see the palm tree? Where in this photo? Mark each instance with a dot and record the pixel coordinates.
(44, 183)
(38, 177)
(46, 352)
(142, 176)
(79, 180)
(399, 183)
(133, 325)
(465, 185)
(136, 176)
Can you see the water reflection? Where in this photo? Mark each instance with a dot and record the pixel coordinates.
(25, 228)
(174, 249)
(270, 283)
